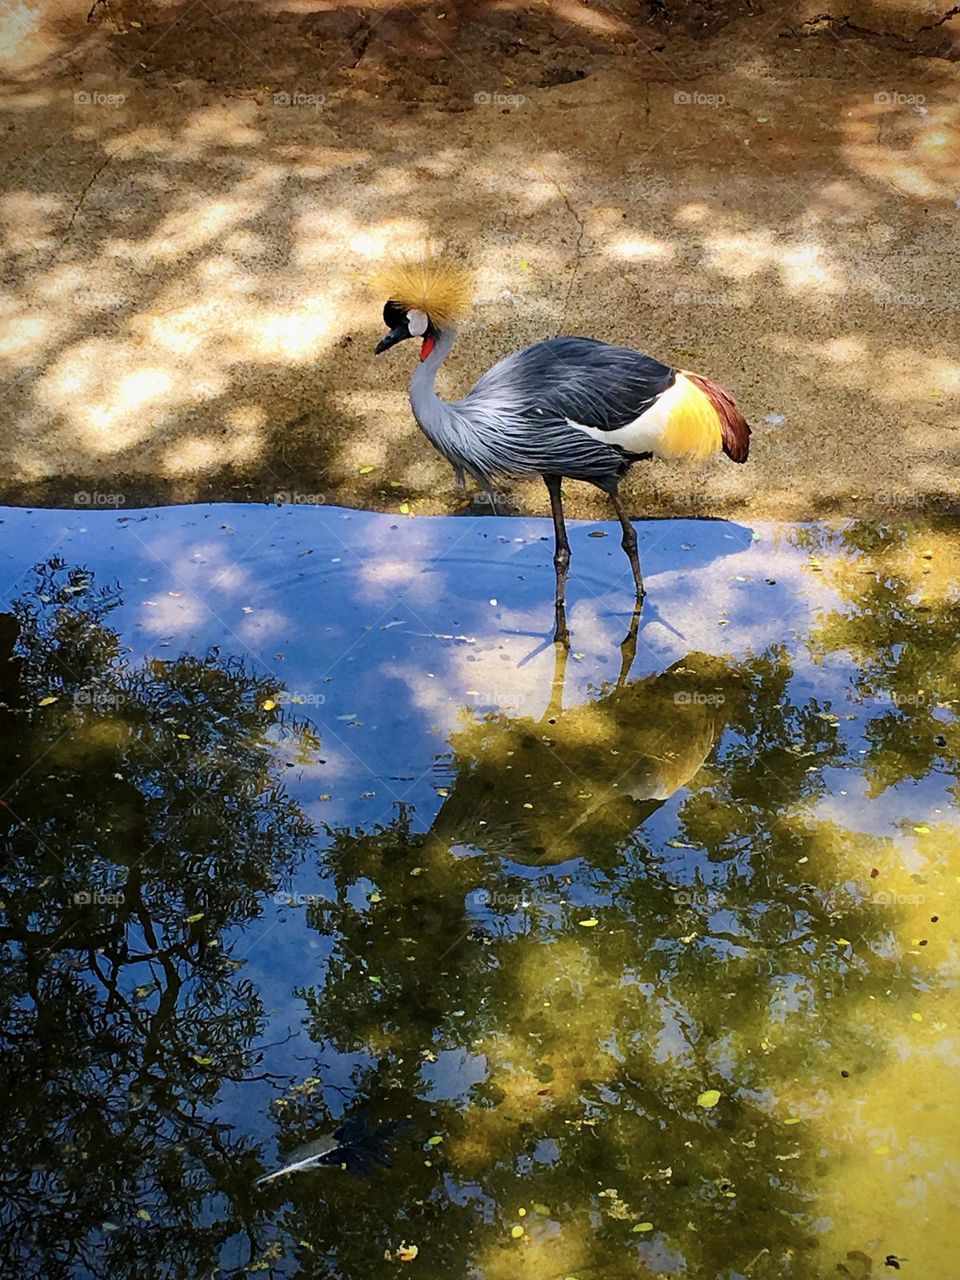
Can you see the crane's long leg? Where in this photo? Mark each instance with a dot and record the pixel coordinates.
(561, 559)
(629, 544)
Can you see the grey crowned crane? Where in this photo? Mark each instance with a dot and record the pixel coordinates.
(567, 408)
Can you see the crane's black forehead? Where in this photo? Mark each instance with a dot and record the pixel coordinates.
(394, 314)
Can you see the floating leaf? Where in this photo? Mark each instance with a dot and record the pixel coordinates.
(921, 830)
(589, 924)
(643, 1226)
(198, 915)
(404, 508)
(407, 1252)
(45, 702)
(435, 1140)
(365, 471)
(881, 1150)
(709, 1098)
(917, 1017)
(268, 704)
(516, 1232)
(542, 1209)
(143, 1215)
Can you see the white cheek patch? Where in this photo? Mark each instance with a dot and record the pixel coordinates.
(417, 322)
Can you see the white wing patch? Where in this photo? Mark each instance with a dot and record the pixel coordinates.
(643, 434)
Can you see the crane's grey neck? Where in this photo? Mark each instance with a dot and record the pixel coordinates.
(439, 421)
(430, 411)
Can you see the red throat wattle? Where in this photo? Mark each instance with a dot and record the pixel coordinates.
(429, 343)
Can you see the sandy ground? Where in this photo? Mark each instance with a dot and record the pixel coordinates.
(191, 197)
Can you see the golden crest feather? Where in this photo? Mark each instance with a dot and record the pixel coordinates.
(425, 283)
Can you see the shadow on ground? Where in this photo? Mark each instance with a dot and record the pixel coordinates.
(194, 193)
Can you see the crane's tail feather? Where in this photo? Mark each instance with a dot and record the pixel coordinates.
(734, 429)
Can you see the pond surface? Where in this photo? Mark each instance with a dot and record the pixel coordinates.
(652, 947)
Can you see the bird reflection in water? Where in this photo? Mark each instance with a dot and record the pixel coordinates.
(579, 781)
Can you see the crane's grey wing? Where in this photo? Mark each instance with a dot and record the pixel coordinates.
(573, 380)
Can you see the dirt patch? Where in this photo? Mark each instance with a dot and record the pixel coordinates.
(193, 194)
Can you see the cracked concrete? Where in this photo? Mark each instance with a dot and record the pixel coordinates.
(192, 198)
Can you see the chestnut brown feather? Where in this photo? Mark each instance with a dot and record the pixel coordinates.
(734, 429)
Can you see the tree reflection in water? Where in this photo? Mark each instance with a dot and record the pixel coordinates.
(594, 1001)
(143, 820)
(618, 907)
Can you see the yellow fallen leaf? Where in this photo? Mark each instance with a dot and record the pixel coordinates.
(268, 704)
(143, 1215)
(365, 471)
(516, 1232)
(881, 1150)
(588, 924)
(643, 1226)
(45, 702)
(792, 1120)
(922, 830)
(917, 1017)
(404, 508)
(709, 1098)
(184, 736)
(407, 1252)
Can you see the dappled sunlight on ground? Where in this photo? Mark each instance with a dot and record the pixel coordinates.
(179, 254)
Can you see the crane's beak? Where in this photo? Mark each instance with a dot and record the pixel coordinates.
(392, 338)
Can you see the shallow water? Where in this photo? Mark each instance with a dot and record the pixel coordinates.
(654, 948)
